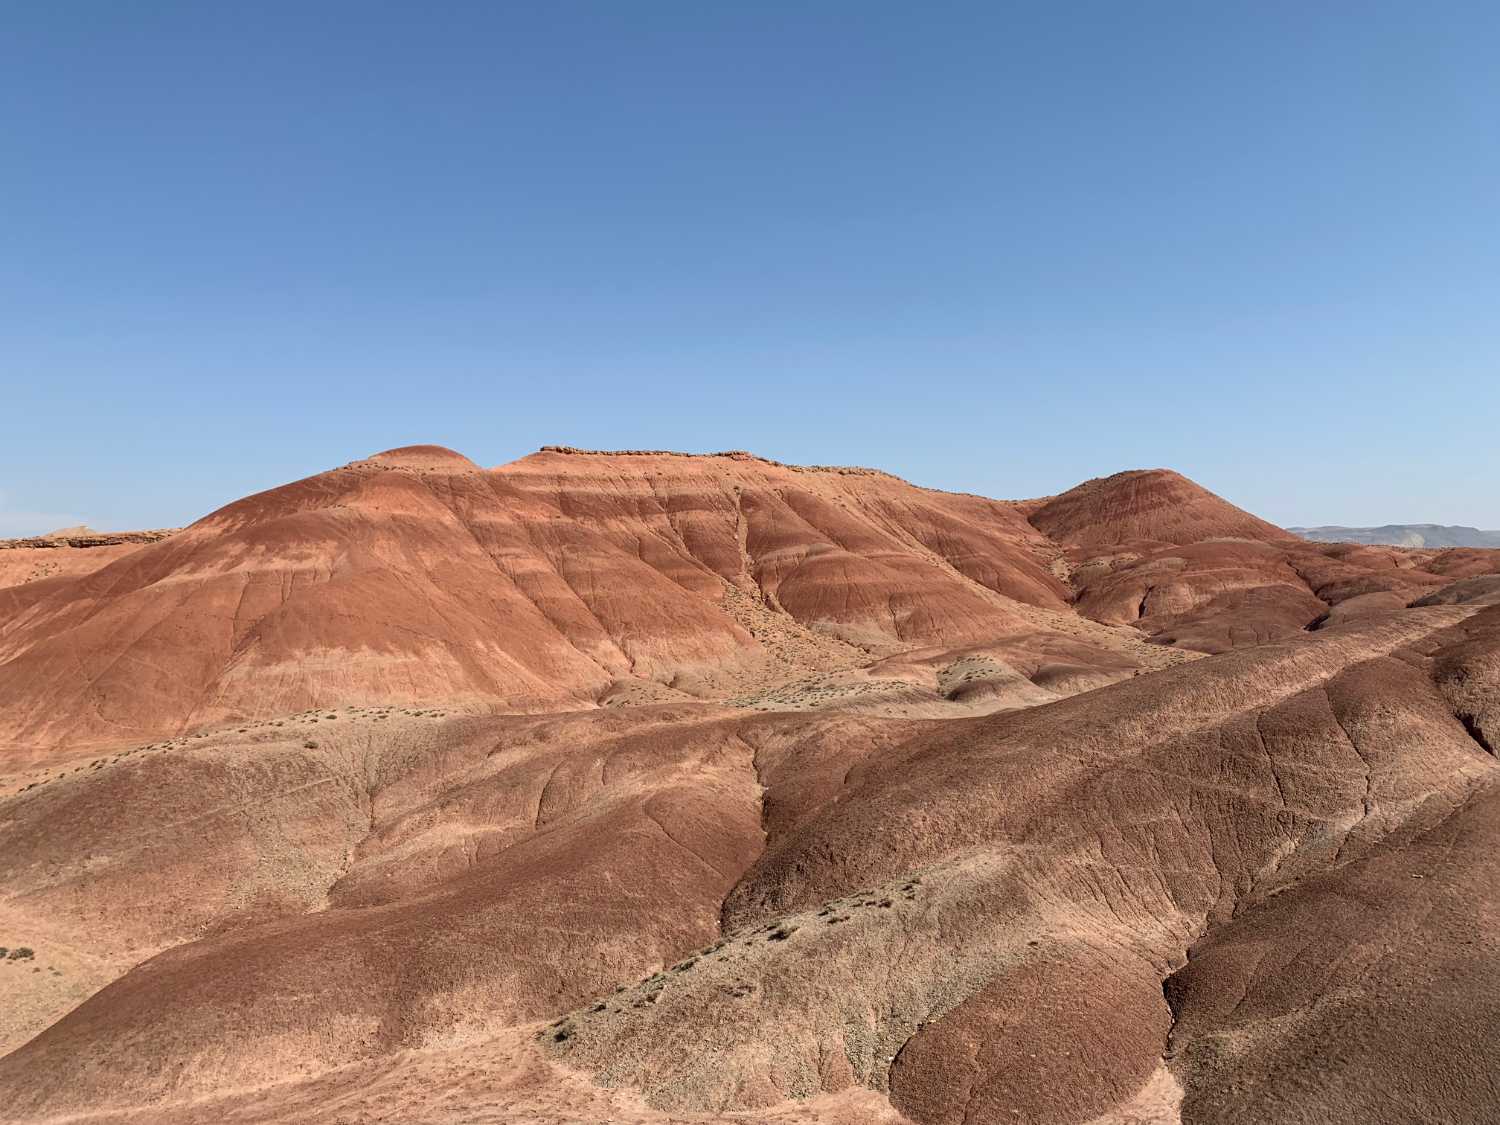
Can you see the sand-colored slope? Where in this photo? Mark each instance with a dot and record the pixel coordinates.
(722, 912)
(337, 886)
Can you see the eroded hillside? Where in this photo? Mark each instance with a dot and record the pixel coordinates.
(650, 787)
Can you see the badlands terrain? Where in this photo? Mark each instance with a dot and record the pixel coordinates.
(653, 787)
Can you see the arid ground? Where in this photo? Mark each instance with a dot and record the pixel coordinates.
(654, 787)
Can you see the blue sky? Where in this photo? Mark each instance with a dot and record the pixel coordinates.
(991, 247)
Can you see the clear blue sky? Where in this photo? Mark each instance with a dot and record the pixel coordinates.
(992, 247)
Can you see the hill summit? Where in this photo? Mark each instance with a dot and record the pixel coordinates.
(1146, 504)
(652, 787)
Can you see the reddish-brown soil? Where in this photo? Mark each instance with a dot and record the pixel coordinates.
(650, 787)
(67, 554)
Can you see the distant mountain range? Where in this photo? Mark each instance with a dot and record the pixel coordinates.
(1403, 535)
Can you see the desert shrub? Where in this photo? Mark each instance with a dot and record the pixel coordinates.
(22, 953)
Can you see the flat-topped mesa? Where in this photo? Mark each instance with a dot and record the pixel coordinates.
(70, 552)
(90, 538)
(727, 454)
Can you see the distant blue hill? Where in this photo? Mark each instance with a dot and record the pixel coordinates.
(1403, 535)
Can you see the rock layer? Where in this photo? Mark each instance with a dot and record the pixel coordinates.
(648, 787)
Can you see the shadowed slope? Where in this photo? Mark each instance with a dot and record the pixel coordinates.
(414, 879)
